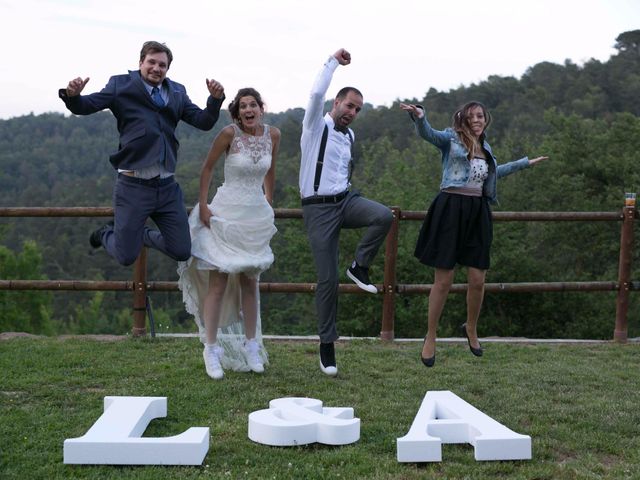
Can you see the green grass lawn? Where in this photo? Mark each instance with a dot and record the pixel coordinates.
(580, 405)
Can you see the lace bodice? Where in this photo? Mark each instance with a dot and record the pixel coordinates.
(248, 161)
(250, 145)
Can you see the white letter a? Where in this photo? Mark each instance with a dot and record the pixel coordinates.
(446, 418)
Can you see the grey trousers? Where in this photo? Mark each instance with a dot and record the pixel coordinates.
(323, 222)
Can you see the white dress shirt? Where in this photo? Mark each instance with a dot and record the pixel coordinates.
(337, 155)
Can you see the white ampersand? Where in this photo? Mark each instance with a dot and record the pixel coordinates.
(299, 421)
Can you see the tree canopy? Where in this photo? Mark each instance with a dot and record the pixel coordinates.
(585, 117)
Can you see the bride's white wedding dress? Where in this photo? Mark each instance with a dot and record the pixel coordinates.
(237, 242)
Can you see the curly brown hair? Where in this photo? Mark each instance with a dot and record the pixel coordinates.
(234, 106)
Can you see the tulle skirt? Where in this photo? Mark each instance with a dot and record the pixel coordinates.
(236, 243)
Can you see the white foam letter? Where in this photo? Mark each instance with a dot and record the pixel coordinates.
(299, 421)
(444, 417)
(115, 438)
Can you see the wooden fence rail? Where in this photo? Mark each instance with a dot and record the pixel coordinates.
(389, 288)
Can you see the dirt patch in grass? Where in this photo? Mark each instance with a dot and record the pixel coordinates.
(12, 335)
(98, 338)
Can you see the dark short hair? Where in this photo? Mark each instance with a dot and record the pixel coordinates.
(345, 91)
(155, 47)
(234, 106)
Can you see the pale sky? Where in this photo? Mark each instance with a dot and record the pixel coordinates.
(400, 48)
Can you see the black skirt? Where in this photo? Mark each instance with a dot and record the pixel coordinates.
(457, 229)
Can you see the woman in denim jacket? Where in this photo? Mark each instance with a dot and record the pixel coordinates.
(458, 227)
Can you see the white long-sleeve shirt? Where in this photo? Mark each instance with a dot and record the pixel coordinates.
(337, 155)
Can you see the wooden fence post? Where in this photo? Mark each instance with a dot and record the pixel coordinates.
(140, 294)
(624, 273)
(389, 286)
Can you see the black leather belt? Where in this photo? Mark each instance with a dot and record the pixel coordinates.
(324, 198)
(154, 182)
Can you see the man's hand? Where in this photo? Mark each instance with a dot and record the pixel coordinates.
(343, 57)
(215, 88)
(75, 86)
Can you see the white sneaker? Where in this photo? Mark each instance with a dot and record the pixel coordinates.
(252, 353)
(328, 359)
(212, 355)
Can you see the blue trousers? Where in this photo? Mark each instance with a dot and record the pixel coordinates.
(135, 200)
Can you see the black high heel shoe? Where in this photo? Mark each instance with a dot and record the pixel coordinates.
(476, 351)
(428, 362)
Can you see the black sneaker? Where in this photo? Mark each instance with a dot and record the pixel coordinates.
(328, 359)
(95, 239)
(360, 275)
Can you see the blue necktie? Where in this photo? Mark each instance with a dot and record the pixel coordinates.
(156, 97)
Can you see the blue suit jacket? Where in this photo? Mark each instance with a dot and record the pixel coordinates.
(146, 130)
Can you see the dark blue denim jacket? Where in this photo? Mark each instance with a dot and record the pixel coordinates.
(455, 165)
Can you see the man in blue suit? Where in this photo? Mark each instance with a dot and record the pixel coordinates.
(147, 107)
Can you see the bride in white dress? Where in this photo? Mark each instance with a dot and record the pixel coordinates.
(230, 241)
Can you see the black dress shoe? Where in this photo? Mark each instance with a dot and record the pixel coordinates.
(95, 239)
(476, 351)
(428, 362)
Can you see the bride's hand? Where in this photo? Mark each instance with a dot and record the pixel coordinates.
(205, 215)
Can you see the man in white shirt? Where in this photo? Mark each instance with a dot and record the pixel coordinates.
(329, 205)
